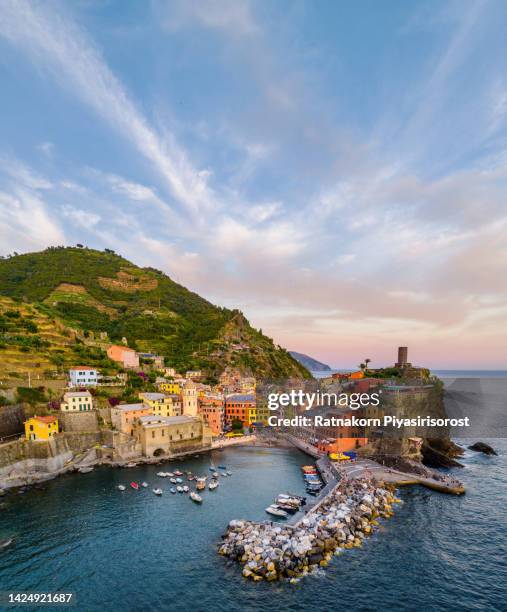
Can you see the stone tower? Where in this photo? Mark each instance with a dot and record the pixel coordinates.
(189, 397)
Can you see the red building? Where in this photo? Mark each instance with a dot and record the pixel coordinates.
(238, 407)
(212, 410)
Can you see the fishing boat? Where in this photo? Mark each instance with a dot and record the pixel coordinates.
(179, 489)
(275, 511)
(185, 489)
(85, 470)
(201, 484)
(173, 489)
(213, 485)
(195, 497)
(157, 491)
(121, 487)
(134, 485)
(174, 481)
(144, 485)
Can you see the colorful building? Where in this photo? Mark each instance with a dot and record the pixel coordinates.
(77, 401)
(212, 410)
(41, 428)
(169, 386)
(123, 416)
(83, 376)
(237, 408)
(190, 398)
(162, 404)
(124, 355)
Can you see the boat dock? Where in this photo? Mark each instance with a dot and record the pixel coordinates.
(331, 472)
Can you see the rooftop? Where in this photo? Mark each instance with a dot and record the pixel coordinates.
(82, 368)
(154, 421)
(46, 419)
(153, 396)
(128, 407)
(240, 397)
(77, 394)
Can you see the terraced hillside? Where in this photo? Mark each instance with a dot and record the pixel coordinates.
(86, 297)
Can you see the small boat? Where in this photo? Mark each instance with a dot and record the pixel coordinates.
(131, 465)
(173, 489)
(301, 498)
(287, 508)
(121, 487)
(169, 474)
(229, 473)
(178, 473)
(157, 491)
(179, 480)
(222, 467)
(185, 489)
(201, 484)
(223, 473)
(134, 485)
(174, 481)
(85, 470)
(196, 497)
(162, 474)
(215, 474)
(6, 542)
(179, 489)
(212, 468)
(213, 485)
(275, 511)
(144, 485)
(190, 478)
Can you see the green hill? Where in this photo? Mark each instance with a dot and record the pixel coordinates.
(89, 293)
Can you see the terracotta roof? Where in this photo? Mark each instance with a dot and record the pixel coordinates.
(46, 419)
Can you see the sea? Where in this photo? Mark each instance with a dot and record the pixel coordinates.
(134, 551)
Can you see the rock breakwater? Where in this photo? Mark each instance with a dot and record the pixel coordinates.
(271, 551)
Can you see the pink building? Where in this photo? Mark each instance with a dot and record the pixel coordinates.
(124, 355)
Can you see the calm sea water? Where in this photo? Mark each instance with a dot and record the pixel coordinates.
(134, 551)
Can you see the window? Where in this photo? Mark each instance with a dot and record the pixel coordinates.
(152, 434)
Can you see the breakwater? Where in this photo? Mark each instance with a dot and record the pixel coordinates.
(341, 520)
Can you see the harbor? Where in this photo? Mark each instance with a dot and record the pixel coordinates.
(93, 549)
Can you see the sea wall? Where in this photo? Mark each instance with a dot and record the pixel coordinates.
(272, 550)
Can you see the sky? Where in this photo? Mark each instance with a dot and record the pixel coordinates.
(336, 170)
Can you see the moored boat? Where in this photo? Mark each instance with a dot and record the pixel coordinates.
(229, 473)
(201, 484)
(195, 497)
(178, 473)
(174, 481)
(179, 489)
(222, 467)
(121, 487)
(131, 464)
(213, 485)
(157, 491)
(275, 511)
(173, 489)
(134, 485)
(162, 474)
(85, 470)
(185, 489)
(144, 485)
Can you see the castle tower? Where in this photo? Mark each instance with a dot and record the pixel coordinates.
(189, 397)
(402, 357)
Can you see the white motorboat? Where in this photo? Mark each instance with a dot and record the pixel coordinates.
(131, 465)
(174, 480)
(275, 511)
(85, 470)
(229, 473)
(162, 474)
(157, 491)
(185, 489)
(144, 484)
(121, 487)
(223, 473)
(169, 474)
(196, 497)
(179, 489)
(213, 485)
(179, 480)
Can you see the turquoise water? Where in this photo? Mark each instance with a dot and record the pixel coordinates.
(135, 551)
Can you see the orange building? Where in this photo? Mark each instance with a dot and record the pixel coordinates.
(124, 355)
(212, 410)
(342, 438)
(237, 408)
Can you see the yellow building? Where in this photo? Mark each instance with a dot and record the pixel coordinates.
(263, 413)
(252, 414)
(41, 427)
(169, 386)
(162, 404)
